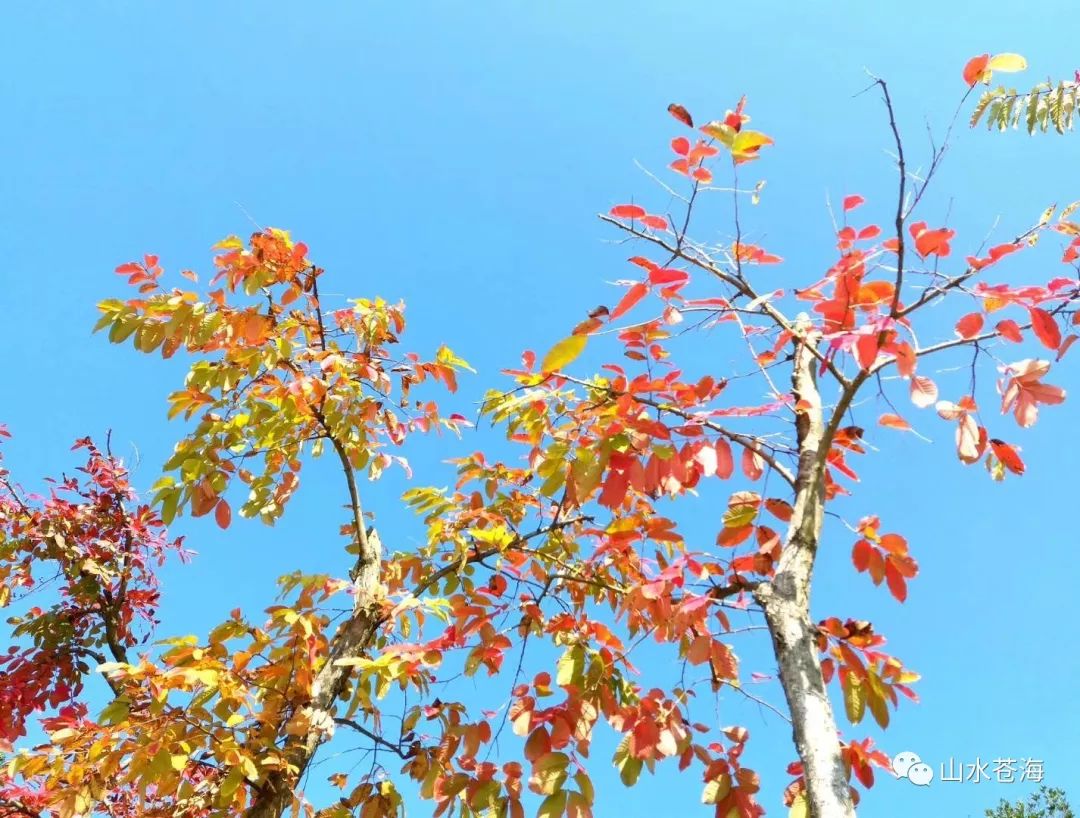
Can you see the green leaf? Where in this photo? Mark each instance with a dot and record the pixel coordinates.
(549, 772)
(570, 666)
(229, 786)
(629, 767)
(553, 806)
(116, 712)
(629, 771)
(563, 353)
(585, 785)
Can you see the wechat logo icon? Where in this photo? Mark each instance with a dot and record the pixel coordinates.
(908, 765)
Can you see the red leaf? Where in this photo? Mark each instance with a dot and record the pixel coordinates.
(861, 554)
(632, 297)
(975, 67)
(614, 492)
(1003, 250)
(1007, 455)
(752, 464)
(668, 275)
(655, 222)
(851, 202)
(683, 115)
(1046, 328)
(896, 582)
(866, 350)
(725, 464)
(627, 212)
(1009, 330)
(970, 325)
(681, 145)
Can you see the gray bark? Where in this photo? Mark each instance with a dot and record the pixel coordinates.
(786, 603)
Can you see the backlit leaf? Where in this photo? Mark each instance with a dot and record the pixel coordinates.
(563, 353)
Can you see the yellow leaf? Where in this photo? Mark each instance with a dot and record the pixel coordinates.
(717, 789)
(230, 243)
(746, 141)
(721, 131)
(799, 808)
(563, 353)
(854, 700)
(742, 509)
(1007, 62)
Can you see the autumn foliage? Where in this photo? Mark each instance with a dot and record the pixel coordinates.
(573, 541)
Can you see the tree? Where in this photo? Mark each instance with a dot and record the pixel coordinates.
(1046, 803)
(573, 539)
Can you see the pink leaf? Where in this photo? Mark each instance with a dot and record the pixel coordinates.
(923, 391)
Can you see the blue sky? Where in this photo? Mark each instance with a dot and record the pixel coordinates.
(455, 156)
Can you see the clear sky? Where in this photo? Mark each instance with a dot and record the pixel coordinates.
(455, 155)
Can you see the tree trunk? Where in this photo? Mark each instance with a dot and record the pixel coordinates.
(786, 603)
(276, 792)
(813, 724)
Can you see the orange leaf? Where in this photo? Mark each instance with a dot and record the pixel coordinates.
(894, 422)
(203, 498)
(894, 544)
(628, 301)
(1068, 342)
(223, 514)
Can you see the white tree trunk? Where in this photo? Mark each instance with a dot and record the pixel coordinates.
(786, 603)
